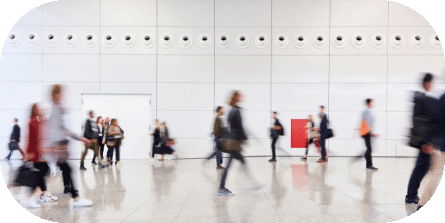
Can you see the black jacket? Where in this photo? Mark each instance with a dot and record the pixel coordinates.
(324, 126)
(157, 137)
(91, 132)
(436, 124)
(236, 124)
(15, 135)
(424, 106)
(277, 123)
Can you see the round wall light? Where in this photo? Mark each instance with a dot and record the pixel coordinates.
(397, 41)
(242, 41)
(435, 41)
(51, 40)
(378, 41)
(70, 40)
(417, 41)
(204, 41)
(147, 40)
(300, 41)
(185, 41)
(261, 41)
(32, 40)
(13, 39)
(223, 41)
(128, 40)
(281, 41)
(320, 41)
(109, 40)
(359, 41)
(166, 41)
(339, 41)
(90, 40)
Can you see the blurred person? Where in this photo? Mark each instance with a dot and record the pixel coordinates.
(34, 153)
(237, 137)
(57, 142)
(100, 140)
(311, 135)
(218, 131)
(424, 109)
(368, 118)
(156, 140)
(435, 146)
(91, 132)
(323, 131)
(276, 131)
(114, 134)
(166, 142)
(15, 139)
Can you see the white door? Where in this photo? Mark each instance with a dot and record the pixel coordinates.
(134, 117)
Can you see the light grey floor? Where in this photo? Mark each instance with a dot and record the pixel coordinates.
(186, 191)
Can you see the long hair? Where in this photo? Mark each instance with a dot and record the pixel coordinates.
(34, 111)
(56, 90)
(97, 120)
(234, 99)
(113, 121)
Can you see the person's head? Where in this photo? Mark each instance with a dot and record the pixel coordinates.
(164, 124)
(56, 93)
(114, 122)
(220, 110)
(322, 109)
(235, 99)
(35, 111)
(16, 120)
(309, 118)
(107, 120)
(274, 115)
(91, 113)
(99, 120)
(427, 82)
(156, 122)
(369, 102)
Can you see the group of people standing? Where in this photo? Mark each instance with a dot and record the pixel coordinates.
(162, 143)
(102, 132)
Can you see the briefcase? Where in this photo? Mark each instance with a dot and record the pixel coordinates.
(13, 146)
(329, 133)
(27, 176)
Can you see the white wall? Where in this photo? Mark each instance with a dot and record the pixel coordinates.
(186, 84)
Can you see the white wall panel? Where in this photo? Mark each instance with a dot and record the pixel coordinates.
(243, 13)
(191, 97)
(21, 67)
(193, 148)
(408, 48)
(186, 13)
(283, 148)
(19, 95)
(193, 33)
(339, 122)
(256, 124)
(351, 97)
(260, 147)
(300, 69)
(62, 32)
(354, 120)
(242, 69)
(7, 118)
(391, 148)
(188, 124)
(402, 149)
(401, 15)
(410, 69)
(400, 96)
(359, 13)
(121, 32)
(71, 13)
(72, 93)
(365, 32)
(23, 47)
(292, 13)
(177, 68)
(299, 97)
(250, 33)
(292, 33)
(358, 148)
(31, 18)
(128, 68)
(131, 88)
(71, 67)
(358, 69)
(128, 12)
(336, 147)
(399, 124)
(255, 97)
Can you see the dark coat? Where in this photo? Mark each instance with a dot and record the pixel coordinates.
(90, 132)
(15, 135)
(436, 125)
(236, 124)
(324, 126)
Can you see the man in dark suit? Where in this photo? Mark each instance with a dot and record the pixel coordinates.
(15, 139)
(323, 134)
(276, 131)
(424, 107)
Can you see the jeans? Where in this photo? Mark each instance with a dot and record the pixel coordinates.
(111, 150)
(217, 152)
(237, 156)
(368, 152)
(323, 147)
(419, 172)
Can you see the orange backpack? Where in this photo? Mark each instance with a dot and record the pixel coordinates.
(364, 128)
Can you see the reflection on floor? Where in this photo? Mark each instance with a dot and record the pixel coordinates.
(290, 190)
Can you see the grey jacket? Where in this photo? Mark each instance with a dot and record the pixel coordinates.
(56, 127)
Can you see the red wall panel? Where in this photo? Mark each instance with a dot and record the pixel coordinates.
(299, 133)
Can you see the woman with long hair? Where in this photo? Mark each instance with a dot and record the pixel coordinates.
(100, 139)
(57, 142)
(115, 134)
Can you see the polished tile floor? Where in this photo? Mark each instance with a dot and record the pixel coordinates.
(290, 190)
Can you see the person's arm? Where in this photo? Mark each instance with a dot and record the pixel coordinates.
(18, 134)
(240, 123)
(217, 128)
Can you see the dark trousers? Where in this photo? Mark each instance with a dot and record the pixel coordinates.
(308, 144)
(217, 152)
(368, 153)
(101, 149)
(10, 153)
(112, 149)
(419, 172)
(154, 149)
(237, 156)
(67, 178)
(274, 141)
(43, 170)
(323, 147)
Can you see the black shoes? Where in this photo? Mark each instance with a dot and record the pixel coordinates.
(82, 167)
(419, 207)
(273, 160)
(372, 168)
(94, 163)
(412, 201)
(219, 167)
(67, 190)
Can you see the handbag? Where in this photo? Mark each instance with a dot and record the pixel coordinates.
(329, 131)
(27, 175)
(231, 145)
(364, 128)
(418, 132)
(13, 146)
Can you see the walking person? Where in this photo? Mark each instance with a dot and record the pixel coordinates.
(424, 109)
(100, 140)
(91, 132)
(218, 132)
(156, 140)
(311, 135)
(435, 146)
(166, 142)
(57, 143)
(14, 140)
(34, 153)
(369, 119)
(237, 137)
(275, 133)
(323, 131)
(114, 135)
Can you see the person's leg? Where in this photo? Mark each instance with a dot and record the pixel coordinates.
(437, 167)
(224, 176)
(84, 154)
(274, 141)
(110, 153)
(118, 152)
(43, 169)
(368, 154)
(10, 154)
(21, 152)
(153, 149)
(67, 179)
(218, 158)
(323, 148)
(102, 146)
(419, 172)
